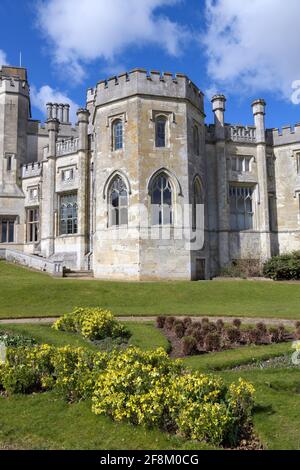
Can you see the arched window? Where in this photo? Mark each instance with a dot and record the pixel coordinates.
(196, 140)
(160, 131)
(118, 202)
(197, 200)
(68, 214)
(162, 200)
(118, 134)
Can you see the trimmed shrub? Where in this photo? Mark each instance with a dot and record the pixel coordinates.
(189, 344)
(198, 334)
(169, 322)
(237, 323)
(284, 267)
(187, 322)
(274, 334)
(297, 325)
(92, 323)
(179, 330)
(160, 321)
(212, 342)
(205, 321)
(220, 325)
(233, 335)
(261, 327)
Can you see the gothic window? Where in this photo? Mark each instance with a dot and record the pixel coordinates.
(241, 207)
(197, 200)
(160, 131)
(117, 134)
(32, 225)
(7, 230)
(196, 140)
(161, 200)
(240, 163)
(68, 214)
(118, 202)
(33, 194)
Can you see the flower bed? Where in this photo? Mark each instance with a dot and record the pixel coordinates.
(146, 388)
(189, 337)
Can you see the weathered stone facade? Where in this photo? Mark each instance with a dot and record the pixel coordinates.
(82, 196)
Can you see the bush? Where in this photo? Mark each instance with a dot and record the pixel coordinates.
(220, 325)
(169, 322)
(12, 340)
(187, 322)
(160, 321)
(189, 344)
(141, 387)
(261, 327)
(233, 335)
(242, 268)
(237, 323)
(212, 342)
(179, 330)
(274, 334)
(92, 323)
(284, 267)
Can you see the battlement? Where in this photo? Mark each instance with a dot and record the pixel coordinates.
(14, 80)
(140, 82)
(31, 170)
(285, 136)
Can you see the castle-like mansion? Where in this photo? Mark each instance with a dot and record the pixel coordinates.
(71, 197)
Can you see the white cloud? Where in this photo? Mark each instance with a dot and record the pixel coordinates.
(253, 44)
(82, 31)
(46, 94)
(3, 60)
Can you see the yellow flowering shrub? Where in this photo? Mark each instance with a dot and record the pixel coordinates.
(92, 323)
(142, 387)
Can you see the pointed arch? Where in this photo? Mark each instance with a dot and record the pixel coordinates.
(173, 178)
(110, 179)
(197, 198)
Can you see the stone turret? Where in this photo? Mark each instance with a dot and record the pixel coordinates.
(259, 111)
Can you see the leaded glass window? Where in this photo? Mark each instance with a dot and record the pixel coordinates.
(161, 201)
(68, 214)
(118, 202)
(241, 207)
(160, 131)
(118, 135)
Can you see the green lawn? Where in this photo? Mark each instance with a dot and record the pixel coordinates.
(25, 293)
(43, 421)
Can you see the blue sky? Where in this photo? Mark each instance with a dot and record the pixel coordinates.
(245, 49)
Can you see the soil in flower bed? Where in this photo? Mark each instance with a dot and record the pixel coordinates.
(188, 337)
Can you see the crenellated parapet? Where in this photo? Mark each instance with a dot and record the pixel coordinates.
(285, 136)
(140, 82)
(32, 170)
(14, 80)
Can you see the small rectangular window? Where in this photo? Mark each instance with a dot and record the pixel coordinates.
(9, 162)
(241, 164)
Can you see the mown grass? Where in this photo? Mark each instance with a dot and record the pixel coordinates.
(144, 335)
(44, 421)
(25, 293)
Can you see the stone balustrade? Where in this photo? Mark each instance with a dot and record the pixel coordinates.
(66, 147)
(242, 134)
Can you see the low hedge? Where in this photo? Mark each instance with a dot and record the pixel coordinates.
(284, 267)
(146, 388)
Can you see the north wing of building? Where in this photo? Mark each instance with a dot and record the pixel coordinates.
(118, 194)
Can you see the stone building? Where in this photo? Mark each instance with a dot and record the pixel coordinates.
(117, 194)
